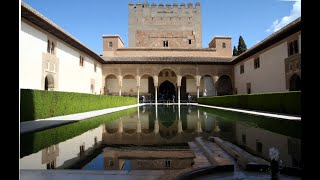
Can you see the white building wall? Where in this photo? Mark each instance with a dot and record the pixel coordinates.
(67, 150)
(270, 77)
(71, 76)
(32, 43)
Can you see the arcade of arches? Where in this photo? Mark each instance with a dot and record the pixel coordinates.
(168, 83)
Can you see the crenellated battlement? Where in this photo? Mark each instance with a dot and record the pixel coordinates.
(166, 6)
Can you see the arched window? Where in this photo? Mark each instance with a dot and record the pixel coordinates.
(110, 44)
(223, 45)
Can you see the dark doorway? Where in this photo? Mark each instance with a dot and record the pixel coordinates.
(49, 82)
(166, 91)
(224, 86)
(295, 83)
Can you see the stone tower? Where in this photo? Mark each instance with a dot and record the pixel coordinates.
(166, 26)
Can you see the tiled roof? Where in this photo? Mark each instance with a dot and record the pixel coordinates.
(44, 23)
(277, 36)
(167, 60)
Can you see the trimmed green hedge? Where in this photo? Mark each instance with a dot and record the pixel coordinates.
(35, 141)
(38, 104)
(284, 102)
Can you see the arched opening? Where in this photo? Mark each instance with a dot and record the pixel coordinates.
(224, 86)
(295, 83)
(49, 82)
(111, 85)
(188, 87)
(207, 86)
(147, 88)
(167, 91)
(129, 85)
(92, 88)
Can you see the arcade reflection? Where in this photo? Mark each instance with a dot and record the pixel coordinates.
(164, 125)
(156, 137)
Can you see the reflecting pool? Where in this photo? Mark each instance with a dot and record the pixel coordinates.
(156, 137)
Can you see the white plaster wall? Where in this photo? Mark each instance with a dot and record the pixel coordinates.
(32, 43)
(144, 84)
(33, 161)
(129, 84)
(72, 76)
(267, 138)
(112, 85)
(270, 77)
(191, 85)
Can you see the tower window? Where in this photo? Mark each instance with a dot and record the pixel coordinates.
(168, 163)
(110, 44)
(223, 45)
(189, 41)
(165, 44)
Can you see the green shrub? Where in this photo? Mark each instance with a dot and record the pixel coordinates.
(38, 104)
(284, 102)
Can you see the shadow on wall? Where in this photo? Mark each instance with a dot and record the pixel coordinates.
(27, 111)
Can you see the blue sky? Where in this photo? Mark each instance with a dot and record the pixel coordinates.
(88, 20)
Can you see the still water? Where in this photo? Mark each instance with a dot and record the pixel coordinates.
(150, 137)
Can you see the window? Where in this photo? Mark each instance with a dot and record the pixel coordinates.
(259, 147)
(244, 139)
(223, 45)
(256, 62)
(110, 44)
(50, 47)
(293, 47)
(248, 88)
(51, 165)
(168, 163)
(241, 69)
(110, 163)
(81, 60)
(95, 67)
(165, 44)
(189, 41)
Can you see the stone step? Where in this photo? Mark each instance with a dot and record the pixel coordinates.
(214, 153)
(243, 158)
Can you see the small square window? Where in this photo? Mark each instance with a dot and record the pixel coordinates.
(241, 69)
(165, 44)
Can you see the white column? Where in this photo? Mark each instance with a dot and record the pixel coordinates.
(156, 94)
(138, 94)
(178, 94)
(139, 126)
(179, 120)
(156, 122)
(198, 91)
(120, 91)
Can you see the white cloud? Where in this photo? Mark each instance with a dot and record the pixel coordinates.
(294, 14)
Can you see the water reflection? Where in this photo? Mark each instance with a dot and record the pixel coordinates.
(169, 127)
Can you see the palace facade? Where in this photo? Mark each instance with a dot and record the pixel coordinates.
(165, 58)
